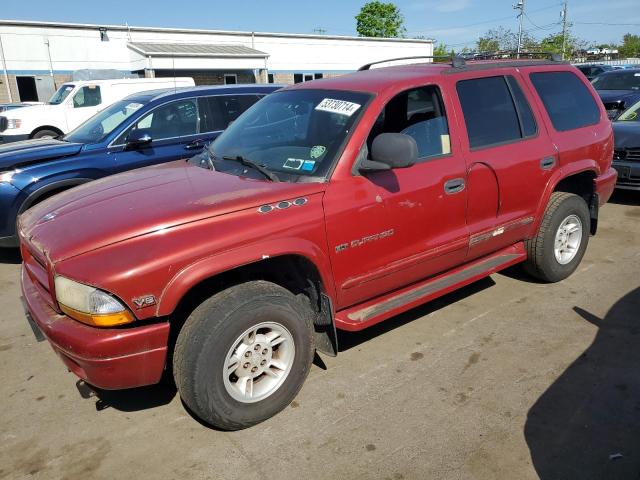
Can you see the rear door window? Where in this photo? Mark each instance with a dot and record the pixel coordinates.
(567, 100)
(489, 111)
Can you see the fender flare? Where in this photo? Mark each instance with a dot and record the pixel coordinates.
(216, 264)
(587, 165)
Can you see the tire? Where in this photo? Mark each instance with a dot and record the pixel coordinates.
(208, 341)
(45, 134)
(570, 213)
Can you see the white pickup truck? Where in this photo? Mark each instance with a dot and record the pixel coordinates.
(73, 104)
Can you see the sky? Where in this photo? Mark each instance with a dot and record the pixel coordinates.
(457, 23)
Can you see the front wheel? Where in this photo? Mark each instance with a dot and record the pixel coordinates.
(558, 247)
(46, 134)
(243, 354)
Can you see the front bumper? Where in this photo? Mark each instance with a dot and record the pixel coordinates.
(10, 198)
(13, 138)
(604, 185)
(107, 358)
(628, 175)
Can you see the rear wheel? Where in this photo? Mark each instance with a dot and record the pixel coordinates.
(243, 354)
(557, 249)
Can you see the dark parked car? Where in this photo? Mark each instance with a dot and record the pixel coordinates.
(592, 71)
(626, 156)
(143, 129)
(618, 90)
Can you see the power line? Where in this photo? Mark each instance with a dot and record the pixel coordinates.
(612, 24)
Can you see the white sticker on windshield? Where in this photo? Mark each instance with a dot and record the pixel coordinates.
(293, 164)
(341, 107)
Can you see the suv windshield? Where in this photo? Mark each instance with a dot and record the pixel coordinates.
(296, 134)
(98, 127)
(629, 80)
(62, 93)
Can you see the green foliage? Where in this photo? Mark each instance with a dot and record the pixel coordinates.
(630, 46)
(380, 19)
(440, 50)
(504, 39)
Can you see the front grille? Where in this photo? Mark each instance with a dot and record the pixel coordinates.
(4, 123)
(628, 155)
(36, 266)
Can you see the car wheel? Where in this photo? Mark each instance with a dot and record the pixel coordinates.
(557, 249)
(243, 354)
(45, 134)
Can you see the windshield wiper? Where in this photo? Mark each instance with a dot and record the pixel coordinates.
(250, 163)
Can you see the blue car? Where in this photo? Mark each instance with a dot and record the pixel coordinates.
(143, 129)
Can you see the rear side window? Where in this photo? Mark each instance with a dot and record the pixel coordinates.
(567, 100)
(489, 111)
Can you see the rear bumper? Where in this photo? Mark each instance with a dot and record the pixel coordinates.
(108, 358)
(628, 175)
(604, 185)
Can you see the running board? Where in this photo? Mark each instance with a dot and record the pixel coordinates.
(369, 313)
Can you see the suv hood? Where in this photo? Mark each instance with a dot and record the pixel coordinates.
(18, 154)
(143, 201)
(626, 134)
(626, 96)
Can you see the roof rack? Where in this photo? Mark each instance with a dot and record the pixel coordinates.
(458, 61)
(455, 60)
(512, 54)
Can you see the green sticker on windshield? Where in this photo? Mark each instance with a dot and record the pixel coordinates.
(318, 151)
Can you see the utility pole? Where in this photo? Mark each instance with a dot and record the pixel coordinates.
(319, 31)
(520, 6)
(564, 28)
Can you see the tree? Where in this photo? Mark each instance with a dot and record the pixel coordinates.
(504, 39)
(379, 19)
(630, 46)
(440, 50)
(553, 44)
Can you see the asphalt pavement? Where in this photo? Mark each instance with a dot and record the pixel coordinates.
(505, 379)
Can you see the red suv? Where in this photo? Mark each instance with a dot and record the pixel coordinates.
(333, 204)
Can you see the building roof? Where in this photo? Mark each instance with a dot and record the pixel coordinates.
(149, 49)
(131, 28)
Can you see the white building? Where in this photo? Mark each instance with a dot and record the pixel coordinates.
(36, 57)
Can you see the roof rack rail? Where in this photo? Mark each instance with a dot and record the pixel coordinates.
(511, 54)
(456, 61)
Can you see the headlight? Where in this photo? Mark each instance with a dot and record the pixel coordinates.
(90, 305)
(5, 177)
(14, 123)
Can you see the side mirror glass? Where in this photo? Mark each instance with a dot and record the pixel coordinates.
(391, 150)
(139, 138)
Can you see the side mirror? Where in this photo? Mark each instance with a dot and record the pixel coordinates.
(139, 138)
(391, 150)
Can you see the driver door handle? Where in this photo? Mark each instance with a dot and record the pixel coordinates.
(454, 186)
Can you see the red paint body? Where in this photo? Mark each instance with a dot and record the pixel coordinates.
(161, 230)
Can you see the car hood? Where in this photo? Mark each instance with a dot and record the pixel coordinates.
(626, 96)
(18, 154)
(626, 134)
(143, 201)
